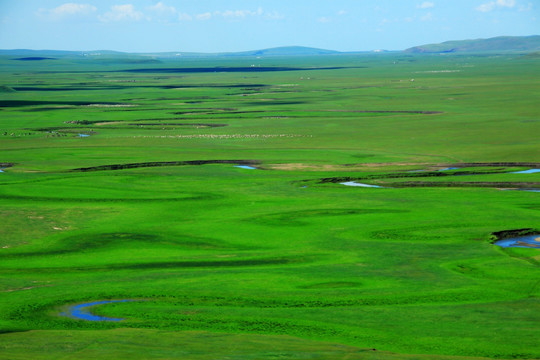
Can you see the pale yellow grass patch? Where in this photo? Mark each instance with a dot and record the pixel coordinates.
(341, 167)
(110, 105)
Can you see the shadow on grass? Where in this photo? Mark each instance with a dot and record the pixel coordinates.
(164, 163)
(22, 103)
(89, 242)
(175, 265)
(298, 218)
(250, 69)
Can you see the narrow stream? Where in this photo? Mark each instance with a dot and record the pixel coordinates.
(83, 311)
(352, 183)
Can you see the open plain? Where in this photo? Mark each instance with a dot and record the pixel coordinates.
(210, 193)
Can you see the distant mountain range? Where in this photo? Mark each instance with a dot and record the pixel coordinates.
(496, 44)
(501, 44)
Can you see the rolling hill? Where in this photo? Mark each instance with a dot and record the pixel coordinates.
(496, 44)
(523, 44)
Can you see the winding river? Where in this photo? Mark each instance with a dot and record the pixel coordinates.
(83, 311)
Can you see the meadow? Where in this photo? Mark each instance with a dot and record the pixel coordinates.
(120, 181)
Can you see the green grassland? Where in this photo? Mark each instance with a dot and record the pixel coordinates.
(281, 262)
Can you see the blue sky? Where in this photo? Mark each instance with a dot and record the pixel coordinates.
(237, 25)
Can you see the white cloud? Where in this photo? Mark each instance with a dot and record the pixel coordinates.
(486, 7)
(323, 20)
(162, 13)
(426, 5)
(204, 16)
(489, 6)
(67, 10)
(342, 12)
(184, 17)
(122, 13)
(274, 15)
(161, 8)
(232, 13)
(506, 3)
(226, 14)
(240, 13)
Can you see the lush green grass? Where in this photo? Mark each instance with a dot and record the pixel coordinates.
(275, 262)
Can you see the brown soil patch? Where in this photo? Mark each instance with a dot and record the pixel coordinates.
(26, 288)
(108, 123)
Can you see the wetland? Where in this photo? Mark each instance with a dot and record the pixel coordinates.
(370, 231)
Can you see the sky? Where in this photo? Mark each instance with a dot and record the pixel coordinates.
(241, 25)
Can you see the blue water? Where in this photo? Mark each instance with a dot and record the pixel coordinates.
(1, 170)
(82, 311)
(530, 171)
(450, 168)
(246, 167)
(352, 183)
(84, 135)
(527, 241)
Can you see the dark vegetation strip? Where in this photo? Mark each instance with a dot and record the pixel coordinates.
(56, 128)
(299, 218)
(400, 175)
(20, 103)
(217, 113)
(509, 164)
(67, 88)
(275, 102)
(176, 265)
(123, 125)
(34, 58)
(219, 86)
(386, 111)
(6, 165)
(176, 124)
(86, 242)
(193, 197)
(480, 184)
(129, 87)
(92, 122)
(194, 109)
(232, 69)
(505, 234)
(166, 163)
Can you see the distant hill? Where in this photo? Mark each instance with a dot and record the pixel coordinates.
(527, 44)
(496, 44)
(288, 51)
(103, 54)
(278, 51)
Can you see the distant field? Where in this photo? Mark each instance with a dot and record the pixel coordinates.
(121, 181)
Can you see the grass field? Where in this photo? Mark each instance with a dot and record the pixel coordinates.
(120, 182)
